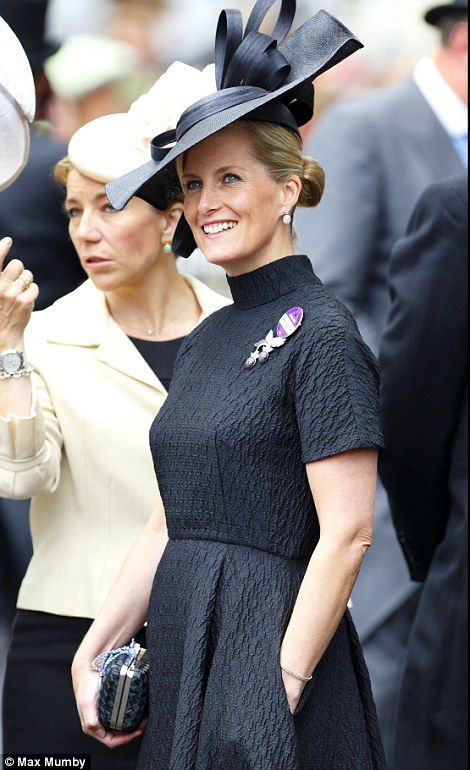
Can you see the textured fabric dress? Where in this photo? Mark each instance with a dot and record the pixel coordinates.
(230, 446)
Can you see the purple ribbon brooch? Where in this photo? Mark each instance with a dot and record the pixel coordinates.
(287, 325)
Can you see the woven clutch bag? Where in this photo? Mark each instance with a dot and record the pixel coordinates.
(123, 696)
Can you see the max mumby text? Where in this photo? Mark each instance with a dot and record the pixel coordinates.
(46, 761)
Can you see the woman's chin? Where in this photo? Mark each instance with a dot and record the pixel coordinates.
(104, 282)
(216, 254)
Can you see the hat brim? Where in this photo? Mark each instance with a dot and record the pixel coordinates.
(16, 78)
(309, 51)
(106, 148)
(14, 140)
(434, 15)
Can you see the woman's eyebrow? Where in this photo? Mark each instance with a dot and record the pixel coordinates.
(231, 167)
(99, 196)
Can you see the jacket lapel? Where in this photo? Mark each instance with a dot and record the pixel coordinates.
(84, 320)
(117, 350)
(430, 135)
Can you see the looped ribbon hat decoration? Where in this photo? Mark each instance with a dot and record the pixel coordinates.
(17, 106)
(258, 77)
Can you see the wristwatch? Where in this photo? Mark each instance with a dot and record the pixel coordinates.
(13, 364)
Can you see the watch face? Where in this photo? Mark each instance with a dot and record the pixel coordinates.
(11, 362)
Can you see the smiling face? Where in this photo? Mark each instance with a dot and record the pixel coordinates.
(233, 206)
(116, 248)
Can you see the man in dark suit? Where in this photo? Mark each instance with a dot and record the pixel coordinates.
(379, 152)
(424, 468)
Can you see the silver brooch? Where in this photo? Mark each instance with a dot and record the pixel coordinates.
(287, 325)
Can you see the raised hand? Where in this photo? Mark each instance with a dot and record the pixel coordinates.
(18, 293)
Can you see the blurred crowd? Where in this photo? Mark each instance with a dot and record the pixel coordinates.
(383, 131)
(111, 49)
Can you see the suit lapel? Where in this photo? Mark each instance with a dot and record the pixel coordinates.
(84, 320)
(116, 350)
(431, 136)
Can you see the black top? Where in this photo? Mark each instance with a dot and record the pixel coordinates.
(230, 444)
(160, 356)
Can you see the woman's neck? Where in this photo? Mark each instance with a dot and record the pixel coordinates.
(279, 248)
(161, 307)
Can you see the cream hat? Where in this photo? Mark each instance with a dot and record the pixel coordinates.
(17, 106)
(85, 63)
(113, 145)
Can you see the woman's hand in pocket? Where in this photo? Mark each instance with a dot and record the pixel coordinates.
(294, 689)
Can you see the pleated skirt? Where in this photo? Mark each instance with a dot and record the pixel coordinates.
(216, 620)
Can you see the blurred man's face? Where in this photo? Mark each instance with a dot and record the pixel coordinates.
(459, 44)
(452, 58)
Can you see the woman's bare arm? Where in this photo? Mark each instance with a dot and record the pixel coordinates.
(122, 615)
(16, 305)
(343, 488)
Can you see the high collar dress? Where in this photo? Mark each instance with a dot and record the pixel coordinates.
(230, 446)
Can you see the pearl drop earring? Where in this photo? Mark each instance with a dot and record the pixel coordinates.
(287, 219)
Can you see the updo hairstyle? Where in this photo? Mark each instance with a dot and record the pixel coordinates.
(280, 151)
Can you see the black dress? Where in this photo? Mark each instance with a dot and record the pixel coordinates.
(230, 447)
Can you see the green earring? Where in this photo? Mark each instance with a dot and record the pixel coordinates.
(166, 241)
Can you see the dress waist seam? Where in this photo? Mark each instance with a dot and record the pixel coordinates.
(226, 540)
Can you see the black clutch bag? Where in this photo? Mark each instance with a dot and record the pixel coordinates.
(123, 696)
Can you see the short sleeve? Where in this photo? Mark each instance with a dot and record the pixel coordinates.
(336, 393)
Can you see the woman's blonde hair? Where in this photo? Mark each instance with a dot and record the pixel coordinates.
(62, 170)
(280, 151)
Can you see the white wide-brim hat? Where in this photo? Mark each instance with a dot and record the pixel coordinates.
(108, 147)
(17, 106)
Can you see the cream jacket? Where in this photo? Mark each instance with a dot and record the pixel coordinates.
(83, 455)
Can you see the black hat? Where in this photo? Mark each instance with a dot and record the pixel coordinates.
(259, 77)
(27, 18)
(434, 15)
